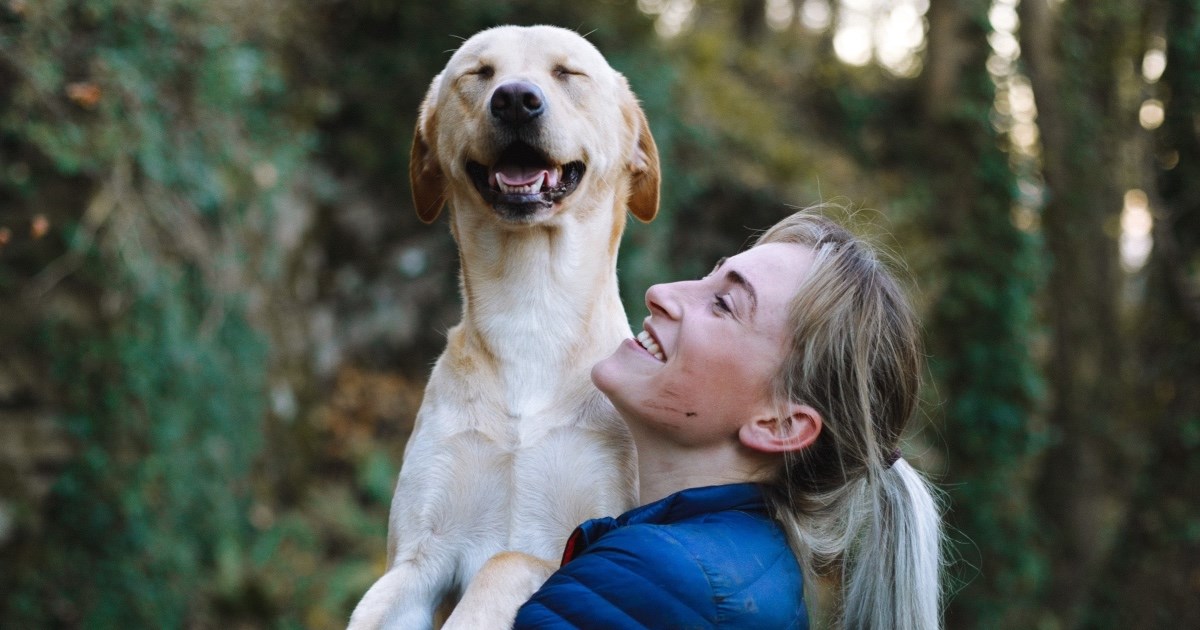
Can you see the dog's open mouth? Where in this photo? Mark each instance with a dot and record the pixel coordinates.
(523, 182)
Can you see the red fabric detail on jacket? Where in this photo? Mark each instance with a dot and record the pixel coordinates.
(572, 546)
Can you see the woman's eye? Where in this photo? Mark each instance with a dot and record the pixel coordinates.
(721, 303)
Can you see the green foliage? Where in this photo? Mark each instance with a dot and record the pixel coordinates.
(154, 507)
(989, 386)
(170, 116)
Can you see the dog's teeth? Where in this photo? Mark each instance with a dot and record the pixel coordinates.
(533, 187)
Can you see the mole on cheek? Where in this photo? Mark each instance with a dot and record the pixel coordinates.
(690, 414)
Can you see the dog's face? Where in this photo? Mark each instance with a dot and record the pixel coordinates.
(531, 120)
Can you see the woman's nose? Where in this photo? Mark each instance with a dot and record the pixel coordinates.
(664, 299)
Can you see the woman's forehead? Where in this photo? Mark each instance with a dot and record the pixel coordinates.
(783, 264)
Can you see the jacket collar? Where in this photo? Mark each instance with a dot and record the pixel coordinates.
(741, 497)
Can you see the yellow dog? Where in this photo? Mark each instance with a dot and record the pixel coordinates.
(540, 149)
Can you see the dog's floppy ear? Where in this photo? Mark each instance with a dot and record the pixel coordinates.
(424, 173)
(643, 190)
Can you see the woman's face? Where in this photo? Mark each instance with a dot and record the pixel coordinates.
(710, 348)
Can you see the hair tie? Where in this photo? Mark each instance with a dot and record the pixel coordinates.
(893, 456)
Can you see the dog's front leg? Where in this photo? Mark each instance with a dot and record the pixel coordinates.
(404, 599)
(503, 583)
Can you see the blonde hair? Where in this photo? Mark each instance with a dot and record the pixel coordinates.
(853, 512)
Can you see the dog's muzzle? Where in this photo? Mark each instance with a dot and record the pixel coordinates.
(523, 182)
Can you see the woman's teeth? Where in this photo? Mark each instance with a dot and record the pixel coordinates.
(647, 342)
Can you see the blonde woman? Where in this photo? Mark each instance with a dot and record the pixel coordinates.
(767, 401)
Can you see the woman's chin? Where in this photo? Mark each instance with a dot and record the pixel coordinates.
(602, 373)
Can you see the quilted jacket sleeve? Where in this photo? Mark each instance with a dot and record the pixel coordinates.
(636, 577)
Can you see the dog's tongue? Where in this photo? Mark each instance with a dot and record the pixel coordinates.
(516, 175)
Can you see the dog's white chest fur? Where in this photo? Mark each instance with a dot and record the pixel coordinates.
(524, 466)
(526, 449)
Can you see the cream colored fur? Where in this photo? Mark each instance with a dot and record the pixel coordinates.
(513, 445)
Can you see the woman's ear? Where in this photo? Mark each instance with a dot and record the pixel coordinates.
(793, 433)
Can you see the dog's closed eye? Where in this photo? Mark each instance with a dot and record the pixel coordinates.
(563, 72)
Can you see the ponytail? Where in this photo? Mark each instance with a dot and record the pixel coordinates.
(875, 546)
(892, 570)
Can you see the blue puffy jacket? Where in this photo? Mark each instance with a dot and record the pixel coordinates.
(701, 558)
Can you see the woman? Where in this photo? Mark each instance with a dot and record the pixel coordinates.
(767, 401)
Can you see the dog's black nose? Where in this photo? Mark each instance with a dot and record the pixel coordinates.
(518, 102)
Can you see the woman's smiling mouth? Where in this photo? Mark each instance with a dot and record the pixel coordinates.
(651, 346)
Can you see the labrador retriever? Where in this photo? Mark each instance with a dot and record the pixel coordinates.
(540, 149)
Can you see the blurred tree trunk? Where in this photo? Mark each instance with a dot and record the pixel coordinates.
(1157, 558)
(752, 20)
(983, 317)
(1073, 53)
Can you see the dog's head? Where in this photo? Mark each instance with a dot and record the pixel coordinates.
(530, 119)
